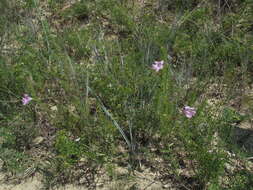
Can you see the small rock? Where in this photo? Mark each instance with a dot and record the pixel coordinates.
(83, 159)
(82, 180)
(38, 140)
(229, 167)
(167, 186)
(54, 108)
(120, 171)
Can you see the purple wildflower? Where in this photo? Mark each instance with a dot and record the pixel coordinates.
(158, 65)
(26, 99)
(189, 111)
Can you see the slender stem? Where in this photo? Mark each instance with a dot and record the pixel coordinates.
(112, 119)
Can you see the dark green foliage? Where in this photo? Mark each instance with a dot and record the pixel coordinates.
(88, 67)
(68, 150)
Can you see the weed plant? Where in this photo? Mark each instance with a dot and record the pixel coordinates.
(106, 74)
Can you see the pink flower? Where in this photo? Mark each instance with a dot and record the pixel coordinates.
(189, 111)
(26, 99)
(158, 65)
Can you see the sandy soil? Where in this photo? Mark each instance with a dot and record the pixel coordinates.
(140, 182)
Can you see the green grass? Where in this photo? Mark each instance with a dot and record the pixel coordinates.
(88, 67)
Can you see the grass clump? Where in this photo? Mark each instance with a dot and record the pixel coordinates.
(123, 84)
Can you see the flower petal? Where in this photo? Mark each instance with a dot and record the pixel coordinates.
(26, 99)
(157, 65)
(189, 111)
